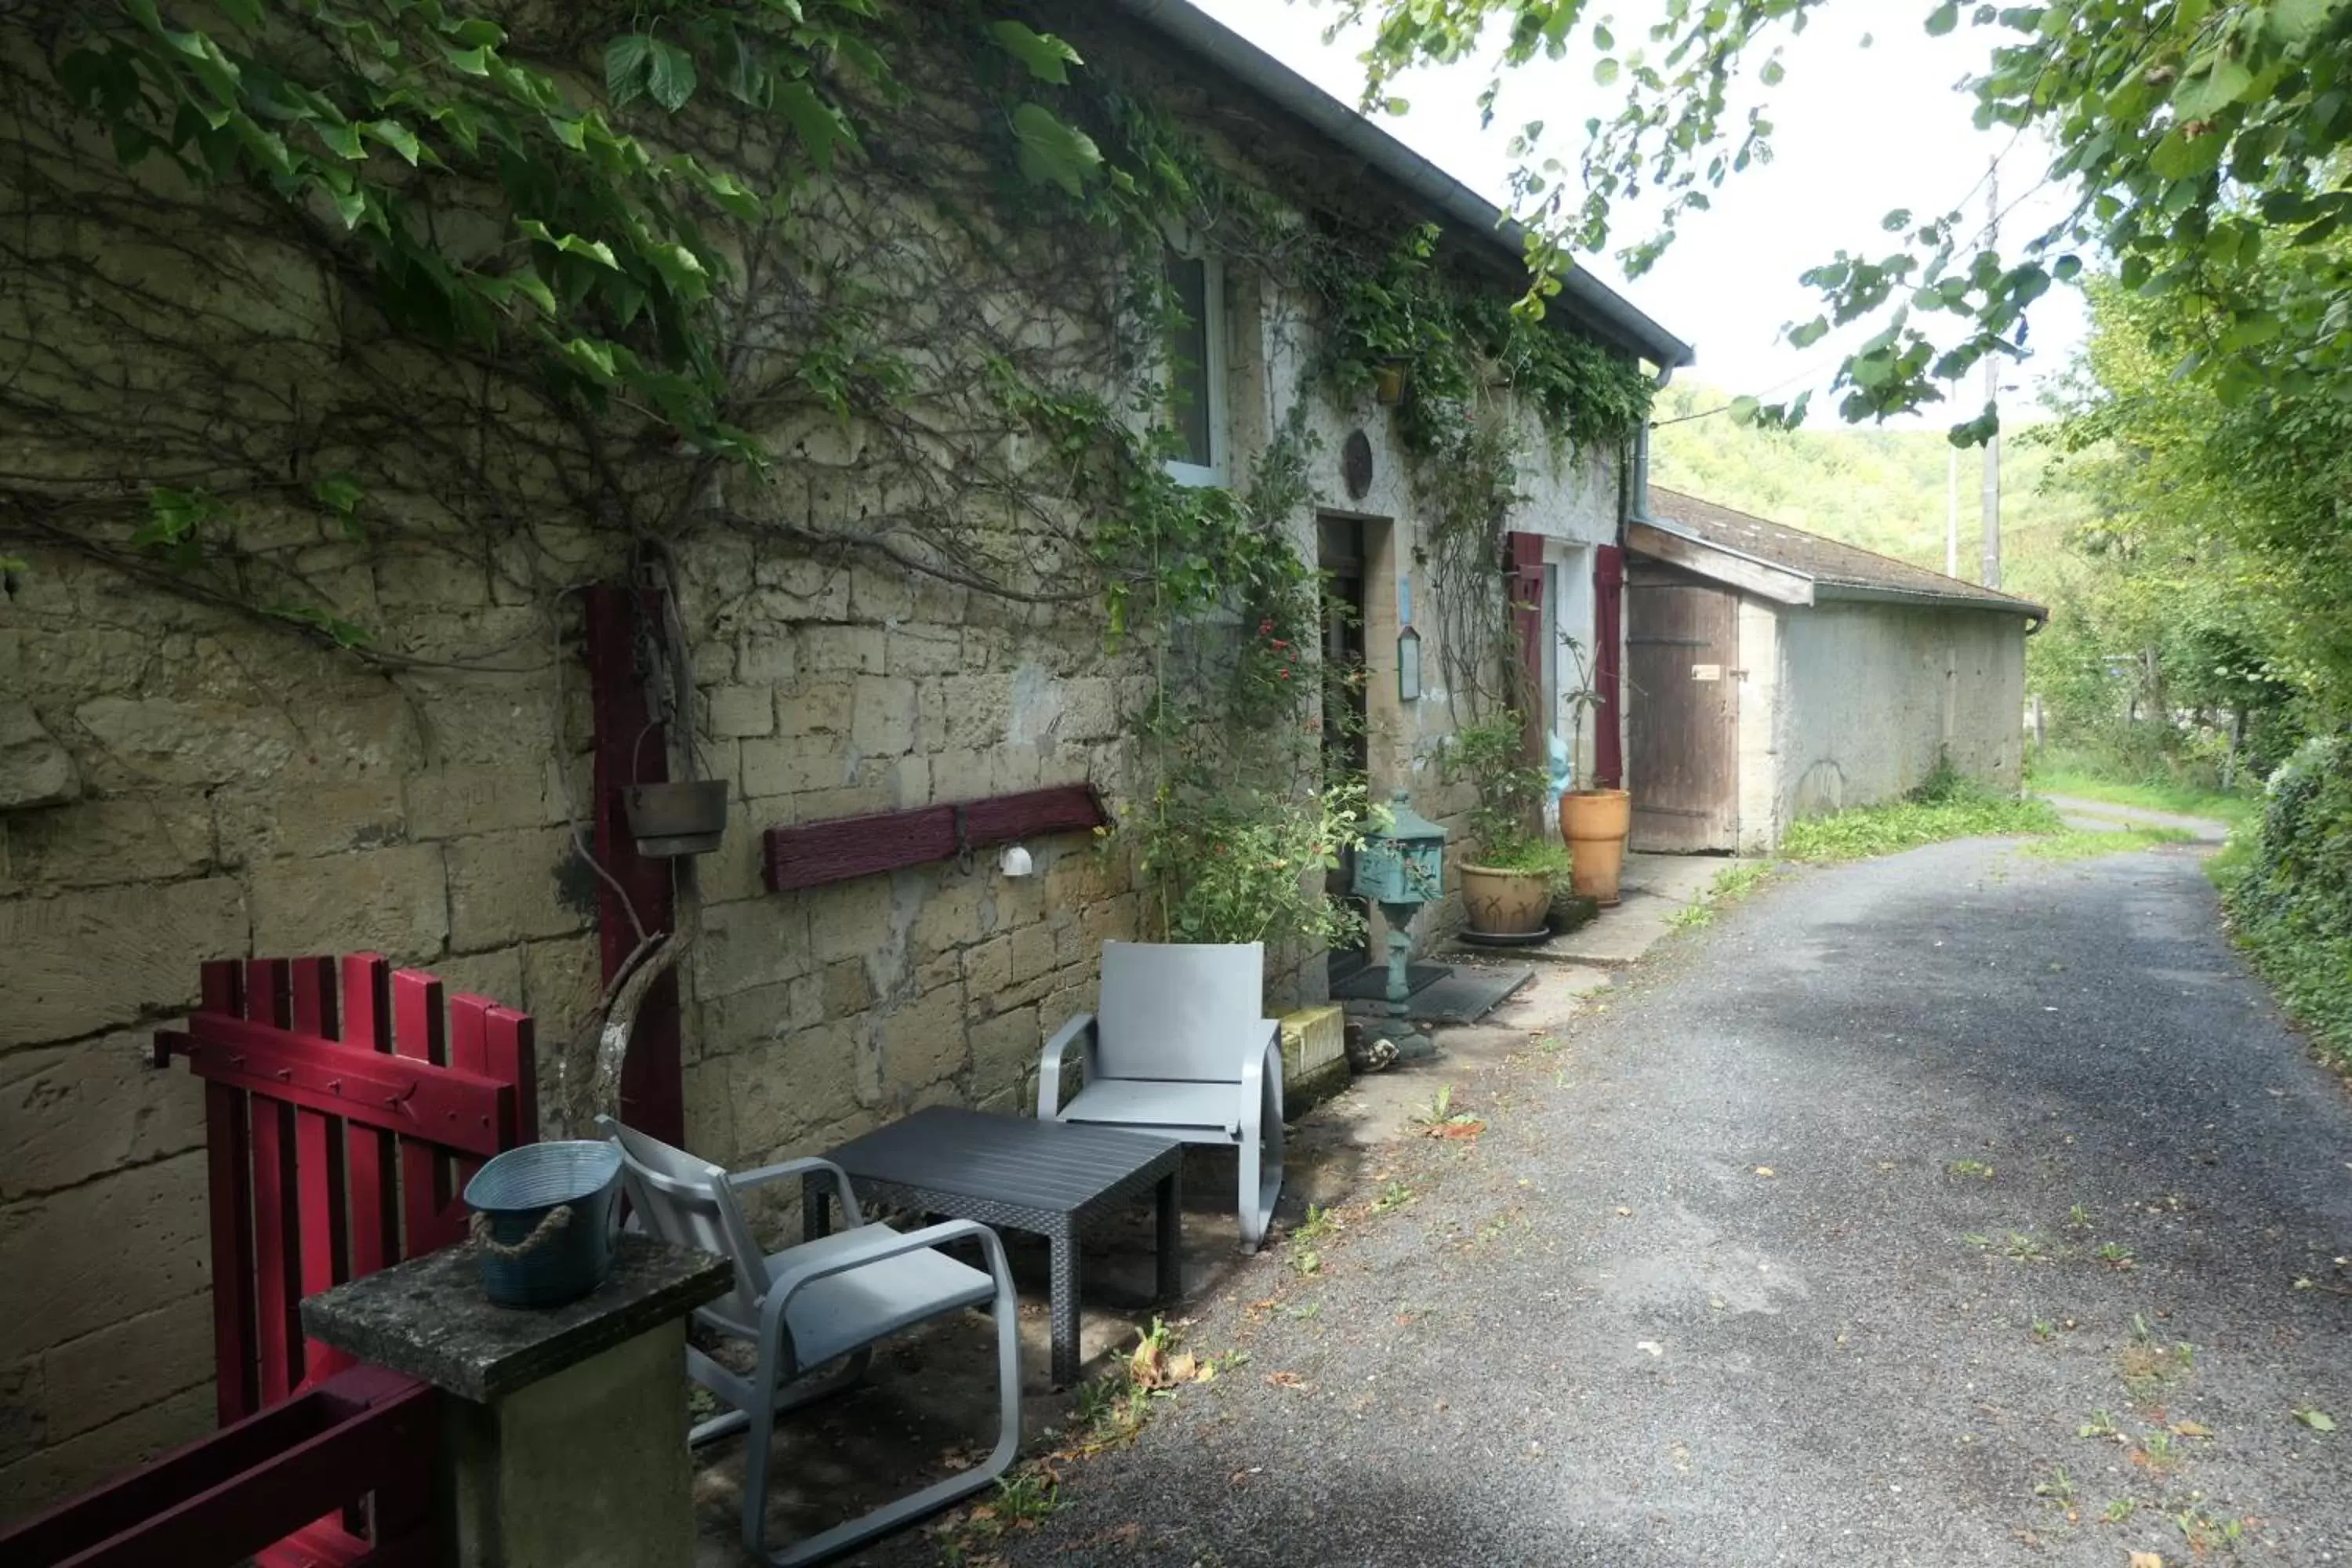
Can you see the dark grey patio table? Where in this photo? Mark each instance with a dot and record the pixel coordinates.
(1048, 1178)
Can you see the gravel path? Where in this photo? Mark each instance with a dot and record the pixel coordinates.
(1777, 1258)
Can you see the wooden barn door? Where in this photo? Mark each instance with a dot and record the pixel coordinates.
(1682, 647)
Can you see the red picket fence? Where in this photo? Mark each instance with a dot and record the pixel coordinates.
(341, 1124)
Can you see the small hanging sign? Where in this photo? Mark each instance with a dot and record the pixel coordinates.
(1407, 666)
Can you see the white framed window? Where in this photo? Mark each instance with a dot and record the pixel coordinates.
(1196, 368)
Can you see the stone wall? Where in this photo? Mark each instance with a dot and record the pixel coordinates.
(179, 783)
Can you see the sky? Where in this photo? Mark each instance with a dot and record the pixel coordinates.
(1859, 132)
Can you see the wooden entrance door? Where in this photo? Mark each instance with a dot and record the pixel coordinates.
(1682, 647)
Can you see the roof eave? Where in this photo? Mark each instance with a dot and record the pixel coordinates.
(1589, 303)
(1873, 593)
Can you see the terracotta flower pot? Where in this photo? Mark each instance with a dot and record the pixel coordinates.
(1594, 822)
(1504, 903)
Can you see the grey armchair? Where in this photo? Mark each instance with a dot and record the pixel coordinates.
(1177, 1049)
(806, 1306)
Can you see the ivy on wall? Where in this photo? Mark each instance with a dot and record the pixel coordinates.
(544, 293)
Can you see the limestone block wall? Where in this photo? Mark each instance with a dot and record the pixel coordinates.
(214, 790)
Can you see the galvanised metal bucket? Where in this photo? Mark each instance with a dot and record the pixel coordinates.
(543, 1221)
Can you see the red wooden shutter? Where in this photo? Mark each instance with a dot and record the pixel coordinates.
(1524, 580)
(1608, 673)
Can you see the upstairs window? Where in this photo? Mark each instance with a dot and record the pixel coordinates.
(1196, 368)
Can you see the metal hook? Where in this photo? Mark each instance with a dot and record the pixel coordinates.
(964, 859)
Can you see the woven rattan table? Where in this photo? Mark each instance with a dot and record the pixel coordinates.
(1048, 1178)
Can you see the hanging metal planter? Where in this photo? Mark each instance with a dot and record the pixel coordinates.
(672, 819)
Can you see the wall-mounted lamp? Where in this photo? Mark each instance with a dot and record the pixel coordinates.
(1015, 862)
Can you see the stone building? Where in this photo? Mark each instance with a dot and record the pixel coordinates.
(1784, 675)
(184, 776)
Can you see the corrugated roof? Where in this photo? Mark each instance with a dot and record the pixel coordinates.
(1831, 564)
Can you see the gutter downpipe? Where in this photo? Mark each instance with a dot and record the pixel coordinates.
(1591, 302)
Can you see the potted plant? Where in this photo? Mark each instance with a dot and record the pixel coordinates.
(1593, 822)
(1507, 889)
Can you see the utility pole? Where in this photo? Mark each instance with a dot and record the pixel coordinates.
(1952, 509)
(1991, 576)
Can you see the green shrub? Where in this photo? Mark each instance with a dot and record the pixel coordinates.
(2290, 896)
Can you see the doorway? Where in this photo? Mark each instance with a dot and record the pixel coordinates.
(1682, 647)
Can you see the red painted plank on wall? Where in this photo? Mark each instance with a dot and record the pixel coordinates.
(812, 854)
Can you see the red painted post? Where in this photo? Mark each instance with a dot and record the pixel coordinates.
(631, 749)
(423, 1175)
(277, 1221)
(228, 1151)
(374, 1186)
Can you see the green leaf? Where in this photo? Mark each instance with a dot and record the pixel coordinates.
(1772, 73)
(2066, 269)
(1809, 334)
(626, 59)
(1604, 71)
(1050, 152)
(475, 61)
(820, 126)
(2205, 94)
(342, 141)
(568, 131)
(671, 78)
(396, 136)
(1943, 18)
(341, 491)
(1744, 410)
(2318, 1420)
(1047, 57)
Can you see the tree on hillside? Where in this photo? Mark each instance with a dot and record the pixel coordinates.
(2200, 140)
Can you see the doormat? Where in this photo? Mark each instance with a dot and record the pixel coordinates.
(1455, 996)
(1372, 985)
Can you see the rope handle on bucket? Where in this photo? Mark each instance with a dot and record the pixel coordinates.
(555, 1220)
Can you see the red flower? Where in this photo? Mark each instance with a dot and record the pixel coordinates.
(1266, 629)
(1278, 642)
(1284, 672)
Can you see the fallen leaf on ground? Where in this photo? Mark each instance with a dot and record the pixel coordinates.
(1624, 1213)
(1286, 1380)
(1652, 1346)
(2187, 1428)
(1764, 1170)
(1458, 1129)
(1183, 1368)
(2318, 1420)
(2146, 1560)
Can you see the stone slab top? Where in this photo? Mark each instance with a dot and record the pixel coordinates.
(429, 1319)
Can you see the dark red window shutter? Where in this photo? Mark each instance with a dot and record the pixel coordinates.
(1525, 580)
(1608, 677)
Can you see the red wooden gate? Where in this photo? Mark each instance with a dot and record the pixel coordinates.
(340, 1124)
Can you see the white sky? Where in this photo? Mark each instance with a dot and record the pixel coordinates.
(1858, 133)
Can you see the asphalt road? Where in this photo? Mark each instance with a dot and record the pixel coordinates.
(1601, 1332)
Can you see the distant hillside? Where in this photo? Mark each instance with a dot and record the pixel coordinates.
(1882, 489)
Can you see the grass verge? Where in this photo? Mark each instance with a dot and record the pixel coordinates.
(2148, 795)
(1945, 808)
(1732, 884)
(2085, 844)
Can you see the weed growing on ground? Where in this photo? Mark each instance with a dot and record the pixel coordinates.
(1947, 805)
(2120, 1510)
(2058, 1486)
(1970, 1168)
(1394, 1196)
(2115, 1254)
(1734, 882)
(2101, 1424)
(2079, 1217)
(2089, 844)
(2024, 1246)
(1319, 1223)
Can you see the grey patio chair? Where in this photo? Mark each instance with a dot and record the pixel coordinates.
(823, 1301)
(1177, 1050)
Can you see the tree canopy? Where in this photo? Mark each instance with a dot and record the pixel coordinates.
(2201, 141)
